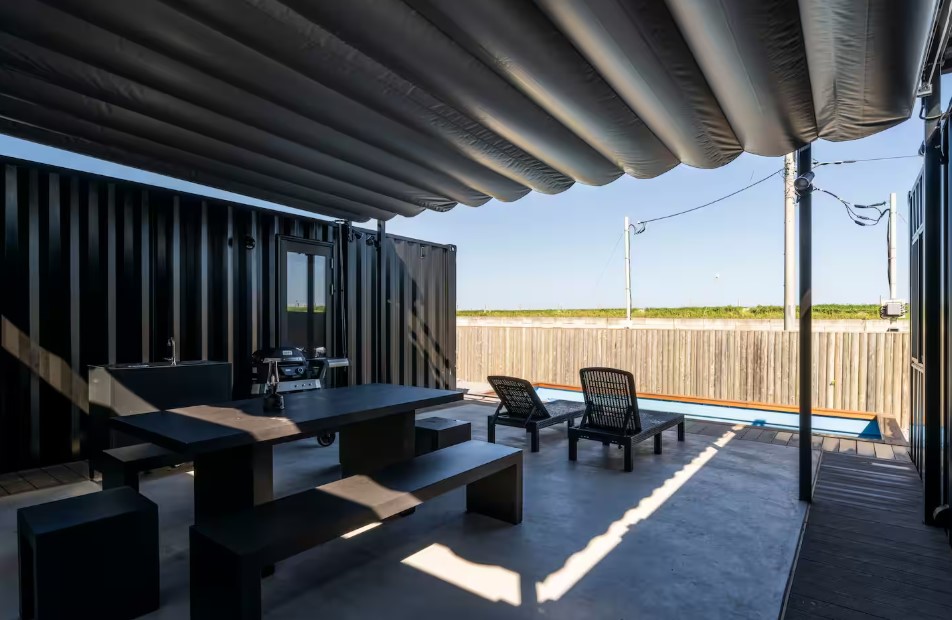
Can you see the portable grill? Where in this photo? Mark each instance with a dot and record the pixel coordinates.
(296, 372)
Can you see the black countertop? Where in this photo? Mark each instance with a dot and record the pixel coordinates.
(149, 365)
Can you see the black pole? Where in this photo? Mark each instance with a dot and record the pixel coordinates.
(341, 344)
(382, 335)
(804, 165)
(933, 307)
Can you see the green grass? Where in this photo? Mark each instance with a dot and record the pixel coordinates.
(821, 311)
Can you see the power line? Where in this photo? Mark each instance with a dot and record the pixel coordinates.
(817, 164)
(640, 226)
(858, 213)
(852, 209)
(610, 257)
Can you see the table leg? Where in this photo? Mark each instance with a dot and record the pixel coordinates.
(230, 480)
(368, 446)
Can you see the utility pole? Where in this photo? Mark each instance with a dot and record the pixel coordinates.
(789, 237)
(627, 270)
(893, 284)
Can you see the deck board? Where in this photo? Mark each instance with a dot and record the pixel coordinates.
(865, 552)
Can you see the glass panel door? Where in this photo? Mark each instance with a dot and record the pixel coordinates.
(304, 306)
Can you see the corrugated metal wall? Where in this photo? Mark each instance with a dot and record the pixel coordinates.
(96, 271)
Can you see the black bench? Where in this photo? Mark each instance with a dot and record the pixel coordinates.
(228, 553)
(121, 466)
(438, 433)
(91, 556)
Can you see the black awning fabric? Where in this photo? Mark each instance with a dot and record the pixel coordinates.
(363, 109)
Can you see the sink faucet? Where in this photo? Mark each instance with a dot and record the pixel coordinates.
(172, 348)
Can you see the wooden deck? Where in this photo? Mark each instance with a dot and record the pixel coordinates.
(891, 448)
(865, 551)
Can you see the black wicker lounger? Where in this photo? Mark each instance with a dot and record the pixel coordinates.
(612, 415)
(520, 407)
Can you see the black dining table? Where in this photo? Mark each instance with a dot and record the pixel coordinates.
(231, 443)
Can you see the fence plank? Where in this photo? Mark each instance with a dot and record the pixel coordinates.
(862, 362)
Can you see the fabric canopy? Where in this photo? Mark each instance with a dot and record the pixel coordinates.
(364, 109)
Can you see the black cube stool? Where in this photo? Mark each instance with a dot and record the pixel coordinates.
(435, 433)
(91, 556)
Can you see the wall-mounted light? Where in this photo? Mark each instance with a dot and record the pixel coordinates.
(250, 242)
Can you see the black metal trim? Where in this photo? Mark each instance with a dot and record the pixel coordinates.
(934, 310)
(382, 303)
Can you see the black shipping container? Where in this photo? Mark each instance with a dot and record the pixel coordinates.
(100, 271)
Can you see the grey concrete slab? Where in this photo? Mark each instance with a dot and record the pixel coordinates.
(708, 529)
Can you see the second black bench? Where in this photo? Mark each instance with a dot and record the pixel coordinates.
(438, 433)
(121, 466)
(228, 553)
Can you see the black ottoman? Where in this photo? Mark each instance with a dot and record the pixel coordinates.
(435, 433)
(92, 556)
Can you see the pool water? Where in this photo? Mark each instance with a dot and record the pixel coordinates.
(825, 424)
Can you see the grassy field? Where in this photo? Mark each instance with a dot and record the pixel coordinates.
(821, 311)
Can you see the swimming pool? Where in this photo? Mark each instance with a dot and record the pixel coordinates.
(853, 427)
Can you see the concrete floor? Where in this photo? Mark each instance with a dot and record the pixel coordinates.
(706, 530)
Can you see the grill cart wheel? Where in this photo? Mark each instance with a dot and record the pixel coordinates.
(326, 439)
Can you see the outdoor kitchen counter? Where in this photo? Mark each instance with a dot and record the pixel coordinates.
(231, 443)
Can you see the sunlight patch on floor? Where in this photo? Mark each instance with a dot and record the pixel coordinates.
(579, 564)
(361, 530)
(493, 583)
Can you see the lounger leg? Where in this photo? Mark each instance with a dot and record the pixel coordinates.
(681, 431)
(629, 463)
(573, 447)
(492, 429)
(657, 443)
(498, 496)
(222, 586)
(534, 438)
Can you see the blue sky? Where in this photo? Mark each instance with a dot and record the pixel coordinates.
(557, 251)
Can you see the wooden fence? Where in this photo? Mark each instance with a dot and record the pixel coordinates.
(854, 371)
